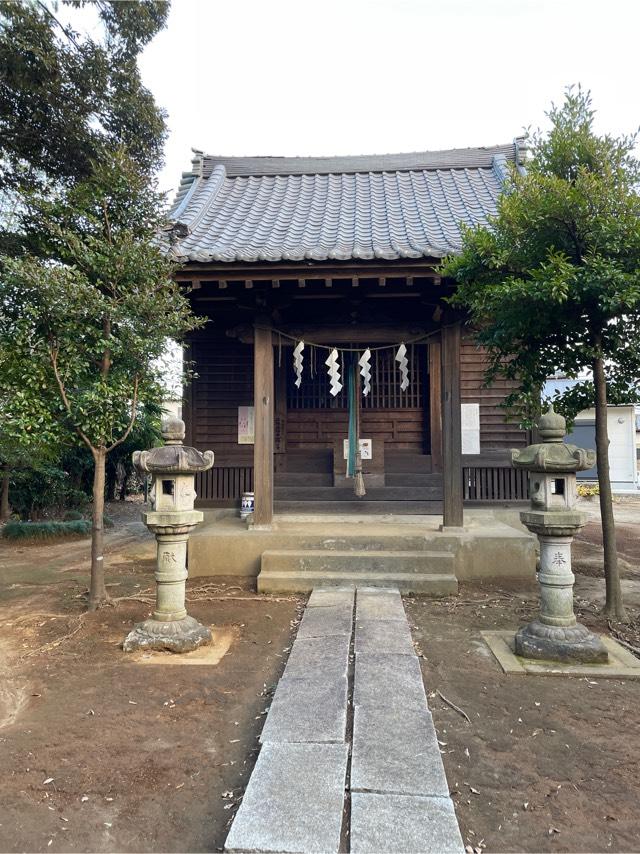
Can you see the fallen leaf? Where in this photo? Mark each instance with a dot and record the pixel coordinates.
(48, 780)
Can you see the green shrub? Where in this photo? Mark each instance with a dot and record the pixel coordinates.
(45, 492)
(72, 516)
(46, 530)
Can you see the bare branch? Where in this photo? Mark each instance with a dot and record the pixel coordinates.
(53, 355)
(50, 15)
(132, 420)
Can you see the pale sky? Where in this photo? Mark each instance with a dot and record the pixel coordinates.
(377, 76)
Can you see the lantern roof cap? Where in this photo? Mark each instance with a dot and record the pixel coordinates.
(173, 457)
(553, 454)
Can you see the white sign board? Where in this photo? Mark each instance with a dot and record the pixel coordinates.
(470, 419)
(366, 449)
(246, 425)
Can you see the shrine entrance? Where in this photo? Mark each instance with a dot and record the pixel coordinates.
(312, 432)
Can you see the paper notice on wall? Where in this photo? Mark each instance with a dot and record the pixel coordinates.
(470, 419)
(246, 425)
(366, 449)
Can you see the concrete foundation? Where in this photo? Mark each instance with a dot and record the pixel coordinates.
(487, 548)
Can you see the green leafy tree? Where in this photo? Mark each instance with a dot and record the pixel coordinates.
(553, 283)
(94, 309)
(65, 97)
(30, 433)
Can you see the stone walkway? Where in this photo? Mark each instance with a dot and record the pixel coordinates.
(349, 759)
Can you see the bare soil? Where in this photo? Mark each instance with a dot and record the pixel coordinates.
(546, 763)
(100, 752)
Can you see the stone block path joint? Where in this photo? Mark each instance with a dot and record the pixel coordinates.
(349, 759)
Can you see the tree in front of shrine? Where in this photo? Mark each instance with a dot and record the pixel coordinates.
(93, 310)
(553, 283)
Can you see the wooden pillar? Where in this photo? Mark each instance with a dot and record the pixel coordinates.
(435, 405)
(451, 427)
(263, 409)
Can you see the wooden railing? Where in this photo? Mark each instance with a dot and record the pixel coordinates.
(224, 485)
(482, 484)
(494, 484)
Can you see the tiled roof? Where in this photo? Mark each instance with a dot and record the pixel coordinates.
(392, 206)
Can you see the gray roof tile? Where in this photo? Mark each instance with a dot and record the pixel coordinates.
(257, 209)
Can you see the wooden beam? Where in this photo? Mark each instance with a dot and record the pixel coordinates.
(356, 334)
(263, 410)
(435, 405)
(319, 270)
(453, 516)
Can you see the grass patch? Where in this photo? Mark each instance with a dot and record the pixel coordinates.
(72, 516)
(46, 530)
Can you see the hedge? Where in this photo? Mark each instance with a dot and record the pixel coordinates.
(46, 530)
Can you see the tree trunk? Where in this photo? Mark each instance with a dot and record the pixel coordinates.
(98, 592)
(614, 607)
(5, 508)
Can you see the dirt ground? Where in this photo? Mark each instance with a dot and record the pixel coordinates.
(105, 752)
(546, 763)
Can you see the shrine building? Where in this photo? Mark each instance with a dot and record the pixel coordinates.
(334, 380)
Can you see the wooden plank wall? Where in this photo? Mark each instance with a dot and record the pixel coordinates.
(400, 429)
(224, 382)
(495, 431)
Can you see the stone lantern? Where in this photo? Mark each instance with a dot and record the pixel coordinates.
(172, 517)
(552, 465)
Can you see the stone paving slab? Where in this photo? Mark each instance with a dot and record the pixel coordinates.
(396, 751)
(307, 710)
(294, 800)
(322, 597)
(403, 824)
(387, 679)
(318, 654)
(379, 604)
(379, 636)
(320, 622)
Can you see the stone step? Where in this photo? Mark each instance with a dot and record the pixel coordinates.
(303, 478)
(361, 505)
(312, 492)
(427, 572)
(407, 461)
(413, 479)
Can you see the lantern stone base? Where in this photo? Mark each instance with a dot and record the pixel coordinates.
(569, 644)
(176, 636)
